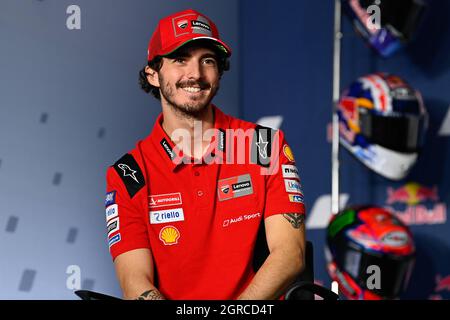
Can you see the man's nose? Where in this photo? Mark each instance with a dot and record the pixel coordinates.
(194, 70)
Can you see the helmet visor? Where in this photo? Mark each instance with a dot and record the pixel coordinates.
(382, 274)
(403, 133)
(393, 272)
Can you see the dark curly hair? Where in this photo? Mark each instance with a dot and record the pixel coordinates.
(223, 63)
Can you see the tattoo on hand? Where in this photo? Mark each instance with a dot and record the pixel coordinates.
(151, 295)
(294, 219)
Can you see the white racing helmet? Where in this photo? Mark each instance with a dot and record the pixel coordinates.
(383, 122)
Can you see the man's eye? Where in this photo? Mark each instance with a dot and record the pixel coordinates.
(179, 60)
(209, 61)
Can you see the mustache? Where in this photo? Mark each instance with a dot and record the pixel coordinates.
(193, 83)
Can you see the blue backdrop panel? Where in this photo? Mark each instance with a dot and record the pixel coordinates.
(70, 105)
(287, 70)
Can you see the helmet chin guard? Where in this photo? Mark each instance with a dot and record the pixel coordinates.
(387, 163)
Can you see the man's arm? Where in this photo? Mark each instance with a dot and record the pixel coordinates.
(285, 235)
(135, 272)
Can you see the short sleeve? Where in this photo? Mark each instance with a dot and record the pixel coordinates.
(284, 192)
(126, 224)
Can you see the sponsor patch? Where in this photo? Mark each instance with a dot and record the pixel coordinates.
(168, 149)
(288, 153)
(296, 198)
(112, 211)
(169, 235)
(293, 186)
(235, 187)
(114, 240)
(113, 226)
(244, 217)
(165, 200)
(110, 198)
(200, 24)
(165, 216)
(130, 173)
(262, 146)
(290, 171)
(221, 140)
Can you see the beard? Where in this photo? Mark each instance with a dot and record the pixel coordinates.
(196, 106)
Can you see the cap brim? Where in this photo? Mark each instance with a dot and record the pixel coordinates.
(222, 46)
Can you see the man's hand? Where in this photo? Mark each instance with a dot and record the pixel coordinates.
(153, 294)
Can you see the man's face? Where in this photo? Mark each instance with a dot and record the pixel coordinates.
(189, 81)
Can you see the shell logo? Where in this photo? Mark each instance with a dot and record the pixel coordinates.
(288, 153)
(169, 235)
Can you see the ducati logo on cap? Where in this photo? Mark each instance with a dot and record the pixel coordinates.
(191, 23)
(182, 24)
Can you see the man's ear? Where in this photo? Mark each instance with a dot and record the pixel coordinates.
(152, 76)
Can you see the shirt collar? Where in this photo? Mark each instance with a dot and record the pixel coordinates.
(170, 152)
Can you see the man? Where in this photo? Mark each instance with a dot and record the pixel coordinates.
(184, 208)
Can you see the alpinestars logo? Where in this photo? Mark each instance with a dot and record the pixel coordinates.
(262, 147)
(128, 172)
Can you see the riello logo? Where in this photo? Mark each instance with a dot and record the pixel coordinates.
(416, 204)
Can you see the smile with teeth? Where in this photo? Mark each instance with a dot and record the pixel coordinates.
(192, 89)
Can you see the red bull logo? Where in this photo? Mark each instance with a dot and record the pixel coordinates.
(412, 194)
(442, 285)
(416, 213)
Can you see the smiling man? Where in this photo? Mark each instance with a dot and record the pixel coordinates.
(184, 209)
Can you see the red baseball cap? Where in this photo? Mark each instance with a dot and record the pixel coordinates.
(180, 28)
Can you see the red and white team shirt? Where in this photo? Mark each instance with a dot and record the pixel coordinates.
(200, 220)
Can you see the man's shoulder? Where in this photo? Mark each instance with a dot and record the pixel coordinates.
(134, 152)
(128, 169)
(238, 123)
